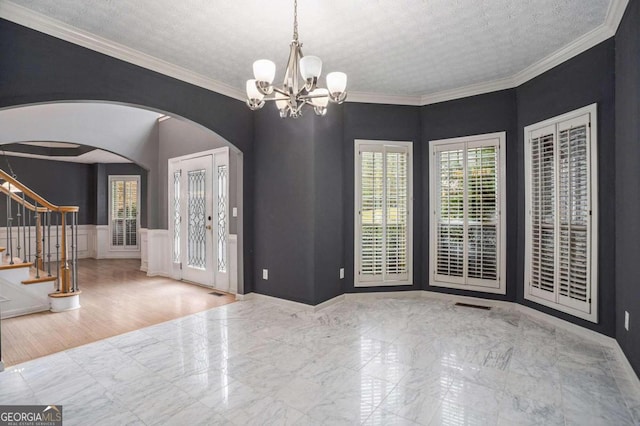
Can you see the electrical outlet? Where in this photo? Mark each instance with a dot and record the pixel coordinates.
(626, 320)
(265, 274)
(341, 273)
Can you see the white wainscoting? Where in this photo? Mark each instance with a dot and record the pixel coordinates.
(86, 240)
(104, 249)
(144, 250)
(158, 253)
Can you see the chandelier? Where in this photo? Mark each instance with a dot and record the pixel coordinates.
(300, 82)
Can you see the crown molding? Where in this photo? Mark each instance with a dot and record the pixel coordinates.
(466, 91)
(44, 24)
(379, 98)
(36, 21)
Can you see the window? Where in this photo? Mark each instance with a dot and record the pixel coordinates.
(124, 202)
(383, 216)
(560, 173)
(467, 224)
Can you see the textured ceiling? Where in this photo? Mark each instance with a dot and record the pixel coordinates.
(388, 47)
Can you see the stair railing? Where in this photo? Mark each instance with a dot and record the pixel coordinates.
(27, 213)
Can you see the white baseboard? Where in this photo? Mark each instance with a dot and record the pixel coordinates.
(290, 303)
(328, 303)
(566, 325)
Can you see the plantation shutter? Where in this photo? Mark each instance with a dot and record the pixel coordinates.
(559, 196)
(450, 265)
(467, 213)
(543, 177)
(482, 214)
(383, 213)
(124, 198)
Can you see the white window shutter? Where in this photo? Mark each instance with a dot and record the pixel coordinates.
(383, 217)
(450, 215)
(561, 265)
(466, 195)
(543, 177)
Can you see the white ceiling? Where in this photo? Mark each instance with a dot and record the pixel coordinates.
(401, 48)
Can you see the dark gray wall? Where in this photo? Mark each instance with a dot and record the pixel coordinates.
(298, 209)
(489, 113)
(389, 123)
(627, 189)
(284, 208)
(39, 68)
(329, 204)
(60, 183)
(585, 79)
(102, 172)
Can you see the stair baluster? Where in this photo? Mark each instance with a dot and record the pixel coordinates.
(19, 216)
(38, 241)
(49, 243)
(29, 254)
(24, 230)
(9, 227)
(58, 250)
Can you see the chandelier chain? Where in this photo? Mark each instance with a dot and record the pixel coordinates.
(295, 20)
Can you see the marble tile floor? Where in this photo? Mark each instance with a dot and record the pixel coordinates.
(386, 361)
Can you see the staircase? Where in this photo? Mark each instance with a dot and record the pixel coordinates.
(38, 270)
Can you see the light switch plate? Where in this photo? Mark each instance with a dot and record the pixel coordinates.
(341, 273)
(234, 212)
(265, 274)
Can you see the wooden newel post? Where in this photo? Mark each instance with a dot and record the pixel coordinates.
(65, 273)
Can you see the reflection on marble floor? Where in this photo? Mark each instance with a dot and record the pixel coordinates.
(375, 361)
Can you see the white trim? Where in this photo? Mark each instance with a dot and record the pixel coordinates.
(45, 24)
(466, 91)
(327, 303)
(290, 303)
(379, 98)
(464, 143)
(383, 144)
(124, 248)
(31, 19)
(158, 260)
(592, 278)
(144, 250)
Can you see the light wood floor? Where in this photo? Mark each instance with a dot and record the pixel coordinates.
(116, 298)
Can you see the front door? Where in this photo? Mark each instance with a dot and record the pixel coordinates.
(198, 194)
(197, 219)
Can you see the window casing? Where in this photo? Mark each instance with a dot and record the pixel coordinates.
(124, 212)
(383, 213)
(467, 220)
(561, 213)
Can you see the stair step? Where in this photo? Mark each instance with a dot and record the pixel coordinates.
(43, 279)
(15, 265)
(71, 293)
